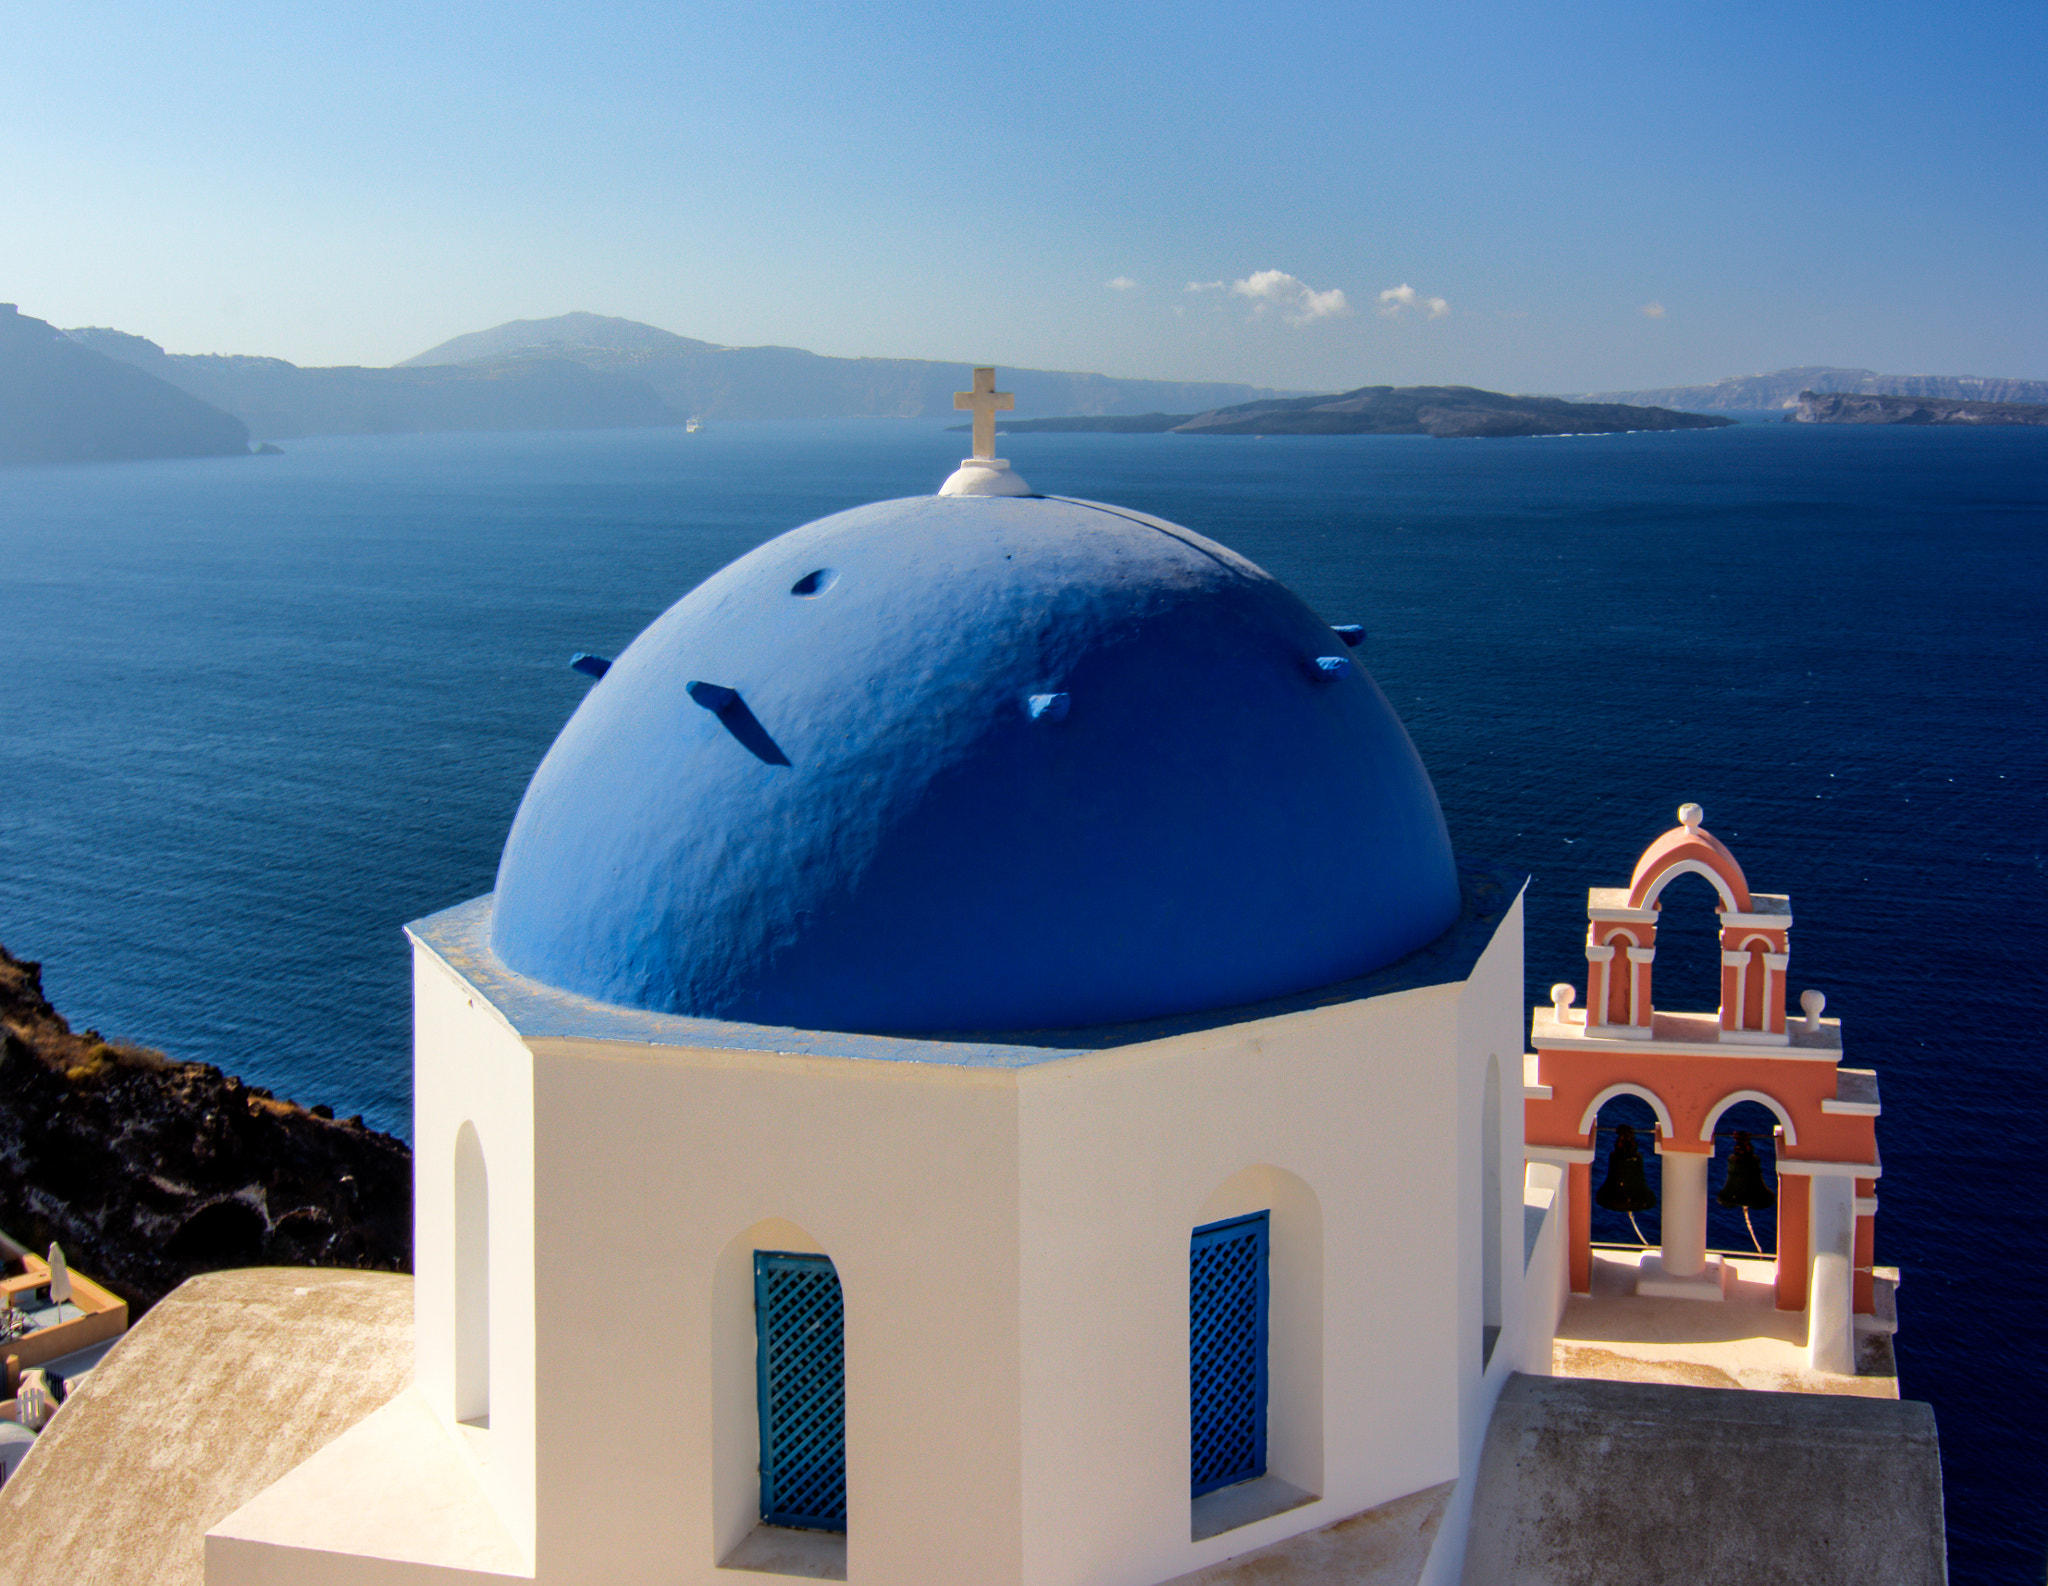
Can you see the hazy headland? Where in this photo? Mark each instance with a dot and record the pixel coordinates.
(100, 394)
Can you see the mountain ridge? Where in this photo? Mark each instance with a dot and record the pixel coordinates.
(582, 371)
(586, 371)
(564, 332)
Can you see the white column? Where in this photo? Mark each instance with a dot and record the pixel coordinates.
(1830, 1291)
(1685, 1213)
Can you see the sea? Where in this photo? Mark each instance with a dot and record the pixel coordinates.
(257, 713)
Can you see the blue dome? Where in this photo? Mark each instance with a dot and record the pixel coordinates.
(975, 764)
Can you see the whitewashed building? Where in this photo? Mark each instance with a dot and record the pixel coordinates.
(980, 1066)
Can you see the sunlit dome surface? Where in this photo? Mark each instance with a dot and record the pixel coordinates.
(975, 764)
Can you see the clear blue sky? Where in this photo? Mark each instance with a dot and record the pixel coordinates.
(1578, 196)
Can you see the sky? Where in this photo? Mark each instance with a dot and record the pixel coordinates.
(1556, 197)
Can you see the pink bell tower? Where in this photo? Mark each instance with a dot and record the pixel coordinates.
(1691, 1068)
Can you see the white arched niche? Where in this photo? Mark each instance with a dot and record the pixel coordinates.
(472, 1280)
(1294, 1328)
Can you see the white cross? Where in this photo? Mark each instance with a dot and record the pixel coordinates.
(984, 402)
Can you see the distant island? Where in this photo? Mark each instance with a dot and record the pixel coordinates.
(1840, 407)
(1783, 388)
(1090, 424)
(64, 403)
(1448, 412)
(590, 371)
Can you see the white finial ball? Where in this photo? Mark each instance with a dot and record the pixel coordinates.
(1690, 816)
(1562, 996)
(1812, 1003)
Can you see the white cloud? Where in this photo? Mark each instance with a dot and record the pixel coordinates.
(1396, 301)
(1298, 302)
(1205, 286)
(1653, 311)
(1122, 283)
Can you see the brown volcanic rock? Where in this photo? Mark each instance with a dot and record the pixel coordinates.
(148, 1171)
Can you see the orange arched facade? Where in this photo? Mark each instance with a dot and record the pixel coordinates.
(1692, 1066)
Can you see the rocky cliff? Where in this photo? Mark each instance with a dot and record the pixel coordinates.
(1840, 407)
(148, 1171)
(64, 403)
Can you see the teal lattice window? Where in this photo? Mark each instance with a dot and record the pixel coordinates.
(801, 1356)
(1227, 1297)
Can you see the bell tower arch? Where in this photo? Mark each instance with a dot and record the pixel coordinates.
(1693, 1066)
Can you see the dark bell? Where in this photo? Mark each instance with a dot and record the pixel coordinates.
(1745, 1185)
(1625, 1189)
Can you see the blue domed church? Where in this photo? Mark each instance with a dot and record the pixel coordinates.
(980, 1066)
(963, 763)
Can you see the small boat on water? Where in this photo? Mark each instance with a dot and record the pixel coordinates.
(695, 424)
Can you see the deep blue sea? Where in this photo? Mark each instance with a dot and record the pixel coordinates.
(260, 712)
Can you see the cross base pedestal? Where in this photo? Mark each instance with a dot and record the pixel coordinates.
(984, 476)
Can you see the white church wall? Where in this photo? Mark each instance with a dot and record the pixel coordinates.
(1488, 1040)
(1013, 1250)
(656, 1167)
(1546, 1265)
(1122, 1154)
(480, 1075)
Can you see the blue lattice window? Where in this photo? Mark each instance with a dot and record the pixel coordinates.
(1227, 1297)
(800, 1322)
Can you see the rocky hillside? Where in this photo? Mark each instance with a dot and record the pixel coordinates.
(64, 403)
(148, 1170)
(1837, 407)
